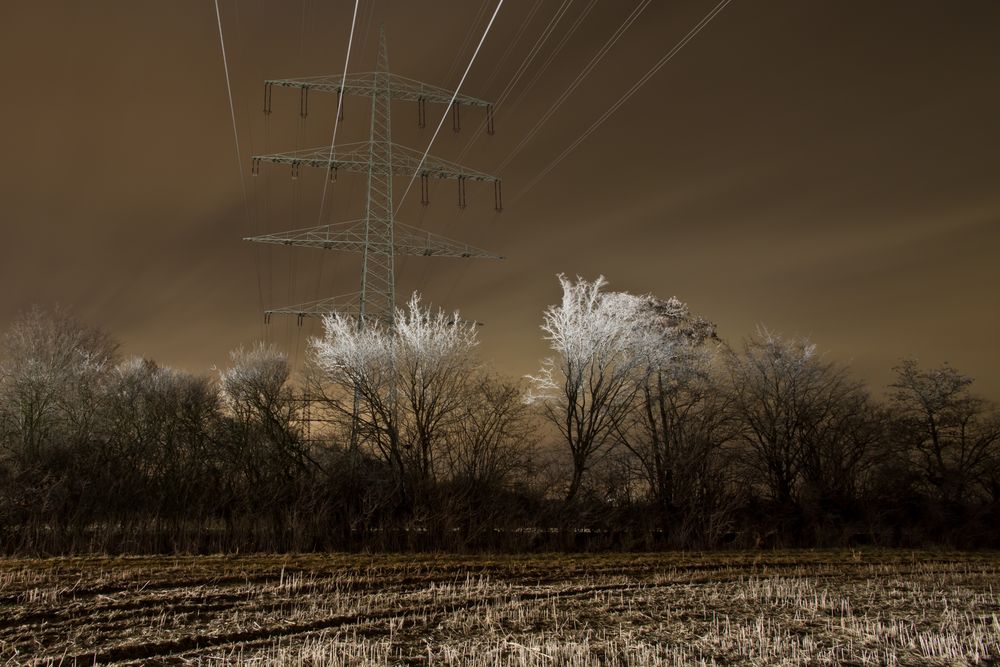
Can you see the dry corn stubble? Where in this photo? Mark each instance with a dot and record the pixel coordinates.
(816, 607)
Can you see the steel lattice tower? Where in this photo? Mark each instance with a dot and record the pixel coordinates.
(377, 236)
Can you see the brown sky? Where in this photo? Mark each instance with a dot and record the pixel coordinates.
(824, 167)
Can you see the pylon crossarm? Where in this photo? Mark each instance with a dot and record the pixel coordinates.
(414, 241)
(407, 161)
(366, 84)
(333, 304)
(346, 305)
(350, 236)
(355, 157)
(347, 157)
(342, 236)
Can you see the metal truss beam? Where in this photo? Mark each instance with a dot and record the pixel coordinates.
(354, 157)
(345, 304)
(377, 236)
(366, 84)
(350, 237)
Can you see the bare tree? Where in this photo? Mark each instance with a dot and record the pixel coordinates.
(52, 370)
(264, 440)
(684, 426)
(434, 368)
(991, 476)
(798, 414)
(493, 436)
(953, 435)
(487, 457)
(681, 423)
(254, 385)
(157, 445)
(840, 450)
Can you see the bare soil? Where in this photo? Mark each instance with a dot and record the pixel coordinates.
(735, 608)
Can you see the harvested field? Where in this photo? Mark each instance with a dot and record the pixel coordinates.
(781, 608)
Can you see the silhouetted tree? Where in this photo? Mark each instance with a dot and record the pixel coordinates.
(680, 425)
(952, 435)
(158, 449)
(486, 457)
(802, 422)
(672, 438)
(263, 440)
(53, 371)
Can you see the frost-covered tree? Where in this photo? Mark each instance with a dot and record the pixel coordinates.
(253, 386)
(401, 390)
(265, 442)
(435, 365)
(52, 372)
(680, 425)
(606, 345)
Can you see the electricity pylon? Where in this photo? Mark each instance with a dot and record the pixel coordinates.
(376, 236)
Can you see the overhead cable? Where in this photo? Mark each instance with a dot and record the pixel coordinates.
(236, 141)
(528, 59)
(625, 97)
(444, 116)
(588, 68)
(340, 106)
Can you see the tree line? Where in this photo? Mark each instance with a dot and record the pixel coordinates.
(642, 430)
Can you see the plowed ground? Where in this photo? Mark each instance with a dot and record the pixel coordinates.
(816, 607)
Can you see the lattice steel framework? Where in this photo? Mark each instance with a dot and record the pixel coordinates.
(376, 236)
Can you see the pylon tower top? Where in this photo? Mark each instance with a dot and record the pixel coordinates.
(377, 236)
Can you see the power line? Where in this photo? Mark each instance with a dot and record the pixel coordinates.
(528, 59)
(447, 109)
(496, 70)
(519, 72)
(254, 205)
(368, 25)
(236, 141)
(333, 141)
(232, 112)
(376, 236)
(555, 52)
(512, 44)
(533, 52)
(588, 68)
(625, 97)
(552, 56)
(469, 36)
(340, 106)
